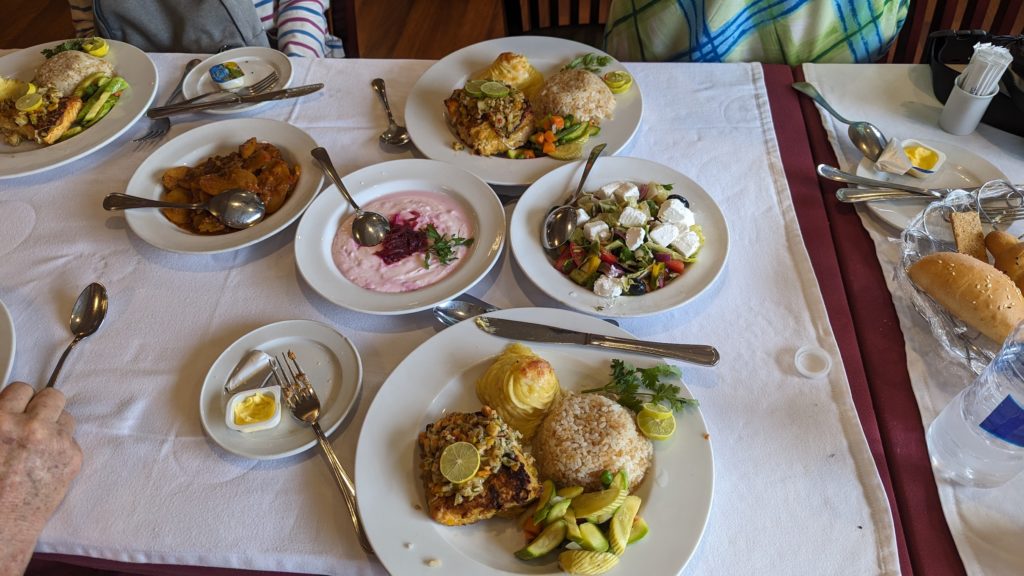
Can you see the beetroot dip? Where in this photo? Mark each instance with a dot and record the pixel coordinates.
(362, 266)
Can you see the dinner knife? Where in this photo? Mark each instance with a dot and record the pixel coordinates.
(855, 195)
(833, 173)
(516, 330)
(162, 111)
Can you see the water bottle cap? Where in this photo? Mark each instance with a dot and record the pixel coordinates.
(812, 361)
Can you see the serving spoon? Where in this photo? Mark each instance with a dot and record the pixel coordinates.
(864, 135)
(561, 222)
(86, 316)
(235, 208)
(395, 135)
(368, 228)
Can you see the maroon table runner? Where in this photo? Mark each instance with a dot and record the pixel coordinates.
(925, 534)
(838, 273)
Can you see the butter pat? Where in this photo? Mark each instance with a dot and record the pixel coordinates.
(228, 75)
(893, 159)
(924, 160)
(254, 410)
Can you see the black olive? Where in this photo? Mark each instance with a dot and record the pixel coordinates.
(681, 199)
(636, 288)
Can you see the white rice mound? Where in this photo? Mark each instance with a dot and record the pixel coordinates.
(578, 92)
(586, 434)
(65, 70)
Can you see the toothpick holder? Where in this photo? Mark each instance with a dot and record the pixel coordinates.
(963, 110)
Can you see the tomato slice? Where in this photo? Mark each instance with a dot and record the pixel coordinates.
(675, 266)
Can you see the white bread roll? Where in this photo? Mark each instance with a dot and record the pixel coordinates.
(974, 291)
(1008, 253)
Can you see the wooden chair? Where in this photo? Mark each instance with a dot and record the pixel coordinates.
(579, 20)
(1004, 17)
(341, 21)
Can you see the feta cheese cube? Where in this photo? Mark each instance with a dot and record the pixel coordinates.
(596, 230)
(634, 238)
(608, 287)
(664, 233)
(627, 193)
(581, 217)
(631, 217)
(675, 212)
(688, 243)
(607, 191)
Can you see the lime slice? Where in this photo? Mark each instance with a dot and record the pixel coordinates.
(29, 102)
(473, 87)
(459, 462)
(494, 89)
(618, 81)
(657, 411)
(30, 88)
(98, 47)
(570, 150)
(656, 428)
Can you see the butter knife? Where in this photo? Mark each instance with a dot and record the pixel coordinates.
(162, 111)
(516, 330)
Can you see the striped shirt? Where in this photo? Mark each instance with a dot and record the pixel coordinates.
(776, 31)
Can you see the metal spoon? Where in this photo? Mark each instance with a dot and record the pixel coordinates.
(561, 222)
(864, 135)
(88, 313)
(235, 208)
(368, 228)
(395, 135)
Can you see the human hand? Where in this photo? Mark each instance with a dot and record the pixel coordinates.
(38, 459)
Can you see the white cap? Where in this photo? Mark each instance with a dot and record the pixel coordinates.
(812, 362)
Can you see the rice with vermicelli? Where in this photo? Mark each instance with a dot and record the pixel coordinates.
(578, 92)
(586, 434)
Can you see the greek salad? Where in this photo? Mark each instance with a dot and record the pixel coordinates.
(630, 239)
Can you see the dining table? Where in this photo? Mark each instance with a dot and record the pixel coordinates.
(812, 475)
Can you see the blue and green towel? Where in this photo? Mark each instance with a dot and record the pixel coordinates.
(774, 31)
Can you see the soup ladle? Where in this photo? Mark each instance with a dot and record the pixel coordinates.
(235, 208)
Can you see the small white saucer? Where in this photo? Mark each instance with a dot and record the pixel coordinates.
(257, 62)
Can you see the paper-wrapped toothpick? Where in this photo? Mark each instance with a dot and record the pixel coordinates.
(987, 65)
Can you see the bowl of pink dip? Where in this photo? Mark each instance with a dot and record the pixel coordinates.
(398, 276)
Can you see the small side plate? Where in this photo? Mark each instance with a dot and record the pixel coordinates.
(6, 344)
(255, 61)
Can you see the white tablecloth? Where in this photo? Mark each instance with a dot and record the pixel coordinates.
(987, 525)
(796, 489)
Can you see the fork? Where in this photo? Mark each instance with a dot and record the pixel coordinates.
(301, 398)
(257, 88)
(158, 128)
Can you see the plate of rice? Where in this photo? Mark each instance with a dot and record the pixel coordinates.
(577, 93)
(439, 378)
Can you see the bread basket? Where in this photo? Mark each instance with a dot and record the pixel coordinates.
(1000, 206)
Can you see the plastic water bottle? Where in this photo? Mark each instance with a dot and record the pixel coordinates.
(978, 439)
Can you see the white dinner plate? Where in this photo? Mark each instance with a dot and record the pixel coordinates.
(431, 134)
(320, 225)
(255, 61)
(439, 377)
(551, 190)
(219, 138)
(129, 62)
(962, 169)
(329, 360)
(6, 344)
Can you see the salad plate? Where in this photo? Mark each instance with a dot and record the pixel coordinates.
(318, 228)
(329, 359)
(194, 146)
(256, 63)
(962, 169)
(129, 62)
(424, 109)
(555, 187)
(7, 344)
(676, 492)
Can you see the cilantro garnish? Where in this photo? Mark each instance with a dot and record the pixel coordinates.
(65, 46)
(442, 246)
(591, 62)
(667, 186)
(635, 386)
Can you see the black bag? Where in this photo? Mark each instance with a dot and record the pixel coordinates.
(197, 26)
(946, 47)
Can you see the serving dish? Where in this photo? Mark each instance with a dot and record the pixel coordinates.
(424, 109)
(129, 62)
(216, 138)
(676, 493)
(552, 189)
(7, 344)
(255, 61)
(319, 226)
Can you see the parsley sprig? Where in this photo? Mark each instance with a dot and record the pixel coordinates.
(591, 62)
(635, 386)
(442, 246)
(65, 46)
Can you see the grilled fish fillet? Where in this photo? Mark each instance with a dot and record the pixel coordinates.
(507, 478)
(44, 126)
(490, 125)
